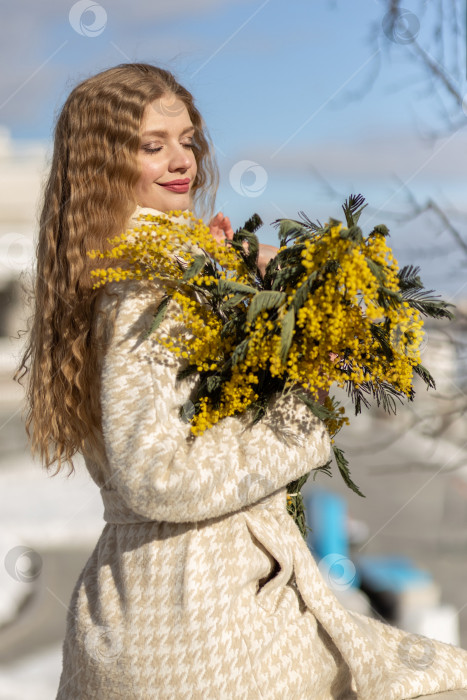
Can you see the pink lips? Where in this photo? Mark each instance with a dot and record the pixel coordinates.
(180, 186)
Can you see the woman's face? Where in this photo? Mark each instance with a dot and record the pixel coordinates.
(165, 157)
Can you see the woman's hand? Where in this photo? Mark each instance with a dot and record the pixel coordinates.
(265, 254)
(221, 228)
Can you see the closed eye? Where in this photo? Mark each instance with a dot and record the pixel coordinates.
(151, 149)
(157, 149)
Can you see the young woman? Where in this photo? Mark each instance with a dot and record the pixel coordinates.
(200, 586)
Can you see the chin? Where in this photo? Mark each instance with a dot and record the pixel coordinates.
(175, 203)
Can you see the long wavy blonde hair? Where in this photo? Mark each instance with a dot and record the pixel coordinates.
(89, 197)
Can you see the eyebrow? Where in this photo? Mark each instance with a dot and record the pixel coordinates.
(157, 132)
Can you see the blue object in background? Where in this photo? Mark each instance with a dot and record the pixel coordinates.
(385, 579)
(391, 573)
(327, 517)
(382, 577)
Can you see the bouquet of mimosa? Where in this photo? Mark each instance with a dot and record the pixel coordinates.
(332, 308)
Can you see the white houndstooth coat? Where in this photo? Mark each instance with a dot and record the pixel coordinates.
(201, 586)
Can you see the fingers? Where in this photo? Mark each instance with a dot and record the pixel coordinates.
(221, 228)
(225, 225)
(218, 236)
(215, 229)
(228, 230)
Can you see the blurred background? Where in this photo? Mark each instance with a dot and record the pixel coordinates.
(306, 103)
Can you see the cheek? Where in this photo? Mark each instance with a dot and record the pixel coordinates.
(194, 166)
(149, 173)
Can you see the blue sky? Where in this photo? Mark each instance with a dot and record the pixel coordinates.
(306, 100)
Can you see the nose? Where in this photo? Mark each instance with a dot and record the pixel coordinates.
(180, 158)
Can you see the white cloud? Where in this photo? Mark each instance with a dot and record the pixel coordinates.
(380, 155)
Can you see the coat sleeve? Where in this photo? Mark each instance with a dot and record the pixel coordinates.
(158, 468)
